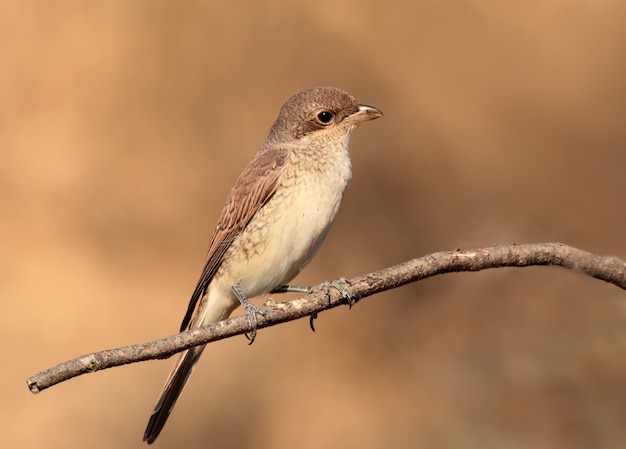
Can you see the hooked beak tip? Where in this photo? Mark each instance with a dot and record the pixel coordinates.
(365, 113)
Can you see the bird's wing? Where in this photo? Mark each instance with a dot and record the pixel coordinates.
(253, 189)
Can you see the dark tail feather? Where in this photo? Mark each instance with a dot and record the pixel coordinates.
(173, 386)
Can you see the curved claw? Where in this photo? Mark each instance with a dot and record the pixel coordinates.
(312, 318)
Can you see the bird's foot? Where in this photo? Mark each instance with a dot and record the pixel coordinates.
(251, 311)
(337, 285)
(325, 287)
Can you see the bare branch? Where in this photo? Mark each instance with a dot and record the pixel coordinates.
(606, 268)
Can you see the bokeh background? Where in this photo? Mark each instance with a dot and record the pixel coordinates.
(123, 126)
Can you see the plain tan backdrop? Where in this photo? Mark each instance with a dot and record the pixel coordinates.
(123, 126)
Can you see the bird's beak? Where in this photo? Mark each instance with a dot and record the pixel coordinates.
(364, 113)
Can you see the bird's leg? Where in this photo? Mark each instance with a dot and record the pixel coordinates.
(251, 312)
(325, 286)
(303, 289)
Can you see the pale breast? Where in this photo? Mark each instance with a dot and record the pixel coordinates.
(285, 234)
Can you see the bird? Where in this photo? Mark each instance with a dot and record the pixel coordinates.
(274, 220)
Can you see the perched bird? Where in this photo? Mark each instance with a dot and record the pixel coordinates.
(274, 219)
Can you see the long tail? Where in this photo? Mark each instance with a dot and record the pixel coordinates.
(173, 387)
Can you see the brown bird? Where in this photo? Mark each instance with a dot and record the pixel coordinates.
(274, 219)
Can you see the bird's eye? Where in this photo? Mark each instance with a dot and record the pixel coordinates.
(325, 117)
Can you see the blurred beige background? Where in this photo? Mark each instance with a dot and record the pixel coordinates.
(123, 126)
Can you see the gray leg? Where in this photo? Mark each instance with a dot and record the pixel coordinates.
(326, 286)
(251, 312)
(305, 290)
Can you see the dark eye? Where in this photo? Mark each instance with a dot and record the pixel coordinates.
(325, 116)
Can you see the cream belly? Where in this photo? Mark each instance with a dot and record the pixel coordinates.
(285, 234)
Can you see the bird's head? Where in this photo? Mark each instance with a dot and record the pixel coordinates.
(320, 113)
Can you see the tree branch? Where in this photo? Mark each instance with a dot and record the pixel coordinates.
(606, 268)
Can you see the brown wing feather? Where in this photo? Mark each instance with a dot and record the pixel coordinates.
(255, 187)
